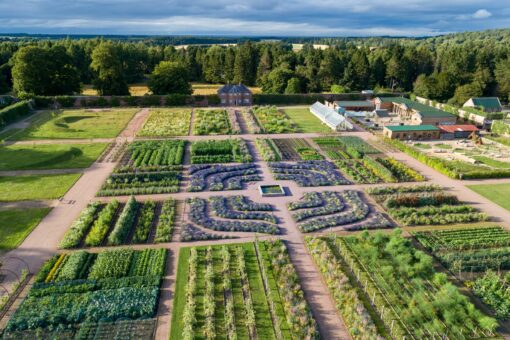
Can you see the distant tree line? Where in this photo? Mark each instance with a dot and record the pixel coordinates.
(447, 68)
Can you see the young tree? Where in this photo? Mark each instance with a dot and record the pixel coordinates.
(45, 71)
(109, 71)
(170, 77)
(293, 86)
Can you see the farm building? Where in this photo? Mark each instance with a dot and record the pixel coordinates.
(457, 131)
(235, 95)
(353, 105)
(416, 113)
(486, 104)
(330, 117)
(411, 132)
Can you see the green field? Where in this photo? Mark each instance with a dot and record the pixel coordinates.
(19, 188)
(50, 156)
(76, 124)
(497, 193)
(305, 121)
(16, 224)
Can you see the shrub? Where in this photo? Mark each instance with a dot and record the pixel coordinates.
(14, 112)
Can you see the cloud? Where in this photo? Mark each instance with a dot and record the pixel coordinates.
(248, 17)
(482, 14)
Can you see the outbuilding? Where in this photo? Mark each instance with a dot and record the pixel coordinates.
(353, 105)
(330, 117)
(411, 132)
(458, 131)
(486, 104)
(414, 112)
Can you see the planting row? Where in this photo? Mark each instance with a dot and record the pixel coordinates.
(406, 296)
(113, 224)
(220, 151)
(248, 291)
(166, 123)
(431, 206)
(272, 120)
(74, 291)
(308, 173)
(227, 215)
(328, 209)
(153, 155)
(211, 122)
(208, 177)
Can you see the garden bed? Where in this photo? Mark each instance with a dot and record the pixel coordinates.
(425, 205)
(393, 276)
(211, 122)
(116, 224)
(167, 123)
(209, 177)
(232, 214)
(77, 292)
(329, 209)
(273, 120)
(295, 149)
(220, 151)
(308, 173)
(240, 291)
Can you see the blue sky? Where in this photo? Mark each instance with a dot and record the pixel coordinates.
(255, 17)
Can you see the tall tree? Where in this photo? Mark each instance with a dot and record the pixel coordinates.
(357, 73)
(503, 77)
(245, 64)
(46, 71)
(109, 71)
(170, 77)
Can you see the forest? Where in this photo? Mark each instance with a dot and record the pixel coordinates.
(450, 68)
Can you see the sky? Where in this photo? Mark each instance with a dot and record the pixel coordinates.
(253, 18)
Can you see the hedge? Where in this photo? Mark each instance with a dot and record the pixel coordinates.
(500, 127)
(14, 112)
(442, 165)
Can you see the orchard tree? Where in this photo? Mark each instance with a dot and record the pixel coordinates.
(170, 77)
(109, 71)
(44, 71)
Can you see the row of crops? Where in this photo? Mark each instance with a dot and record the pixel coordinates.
(361, 163)
(247, 291)
(330, 209)
(220, 151)
(114, 224)
(308, 173)
(219, 215)
(211, 122)
(273, 120)
(389, 288)
(83, 293)
(425, 205)
(149, 167)
(166, 123)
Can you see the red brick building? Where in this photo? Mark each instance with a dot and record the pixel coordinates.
(235, 95)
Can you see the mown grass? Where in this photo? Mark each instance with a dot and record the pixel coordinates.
(499, 194)
(305, 121)
(180, 293)
(49, 156)
(40, 187)
(17, 224)
(76, 124)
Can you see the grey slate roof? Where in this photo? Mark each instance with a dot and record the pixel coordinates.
(229, 88)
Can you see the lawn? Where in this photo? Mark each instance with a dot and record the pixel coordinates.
(305, 121)
(49, 156)
(16, 224)
(167, 122)
(76, 124)
(19, 188)
(497, 193)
